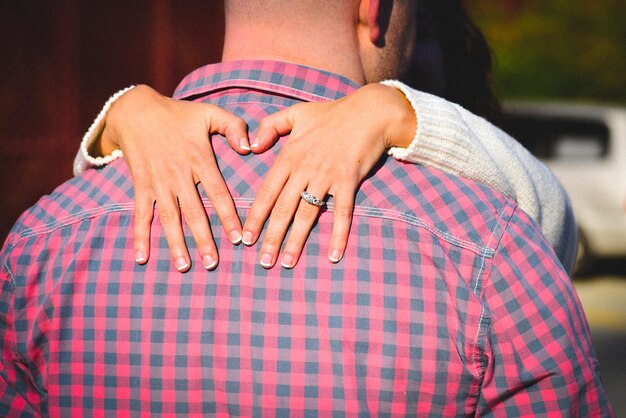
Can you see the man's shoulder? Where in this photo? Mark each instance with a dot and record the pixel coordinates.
(457, 210)
(94, 193)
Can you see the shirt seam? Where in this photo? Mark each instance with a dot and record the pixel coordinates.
(9, 272)
(282, 106)
(484, 322)
(483, 251)
(73, 218)
(13, 348)
(359, 210)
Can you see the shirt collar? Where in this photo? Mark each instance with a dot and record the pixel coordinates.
(287, 79)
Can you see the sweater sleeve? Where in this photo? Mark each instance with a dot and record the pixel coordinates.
(83, 159)
(454, 140)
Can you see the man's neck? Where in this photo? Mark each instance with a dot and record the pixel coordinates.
(333, 52)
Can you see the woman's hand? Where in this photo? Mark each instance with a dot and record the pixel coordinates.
(166, 145)
(331, 148)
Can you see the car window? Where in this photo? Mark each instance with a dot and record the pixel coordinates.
(559, 138)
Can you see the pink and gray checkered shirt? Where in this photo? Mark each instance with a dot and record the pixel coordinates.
(448, 301)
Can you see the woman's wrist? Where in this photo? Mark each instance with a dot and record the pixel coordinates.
(101, 142)
(127, 106)
(108, 141)
(400, 119)
(85, 159)
(104, 144)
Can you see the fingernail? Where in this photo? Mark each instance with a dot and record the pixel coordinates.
(247, 237)
(255, 141)
(181, 264)
(140, 257)
(335, 256)
(235, 236)
(243, 144)
(209, 262)
(287, 261)
(266, 260)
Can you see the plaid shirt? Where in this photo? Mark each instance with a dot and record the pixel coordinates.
(448, 300)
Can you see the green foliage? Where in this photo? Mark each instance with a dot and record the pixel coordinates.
(556, 49)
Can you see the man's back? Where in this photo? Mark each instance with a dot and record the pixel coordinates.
(448, 300)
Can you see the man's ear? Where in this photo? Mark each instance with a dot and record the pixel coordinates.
(373, 21)
(376, 14)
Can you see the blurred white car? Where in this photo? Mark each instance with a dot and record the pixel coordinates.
(585, 146)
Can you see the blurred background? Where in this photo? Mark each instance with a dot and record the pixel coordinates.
(63, 59)
(573, 52)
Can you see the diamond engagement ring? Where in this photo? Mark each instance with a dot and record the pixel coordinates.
(312, 199)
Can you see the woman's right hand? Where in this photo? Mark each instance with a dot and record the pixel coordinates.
(166, 145)
(332, 146)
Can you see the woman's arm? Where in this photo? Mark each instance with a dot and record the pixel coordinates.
(447, 137)
(430, 131)
(454, 140)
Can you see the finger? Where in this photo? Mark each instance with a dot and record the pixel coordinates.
(143, 215)
(271, 128)
(195, 217)
(279, 221)
(232, 127)
(169, 215)
(303, 221)
(221, 199)
(343, 209)
(266, 197)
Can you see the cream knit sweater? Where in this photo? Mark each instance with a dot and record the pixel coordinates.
(452, 139)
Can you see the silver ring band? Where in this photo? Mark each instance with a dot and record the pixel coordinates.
(314, 200)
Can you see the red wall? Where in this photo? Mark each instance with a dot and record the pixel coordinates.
(61, 60)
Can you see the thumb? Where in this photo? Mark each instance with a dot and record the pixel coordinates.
(232, 127)
(271, 128)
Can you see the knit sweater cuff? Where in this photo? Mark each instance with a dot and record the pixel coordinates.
(84, 160)
(440, 139)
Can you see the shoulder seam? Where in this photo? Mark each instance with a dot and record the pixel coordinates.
(485, 251)
(72, 218)
(482, 250)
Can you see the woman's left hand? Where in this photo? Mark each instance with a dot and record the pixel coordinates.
(331, 148)
(167, 146)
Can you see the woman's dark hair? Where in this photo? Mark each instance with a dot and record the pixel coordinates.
(453, 59)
